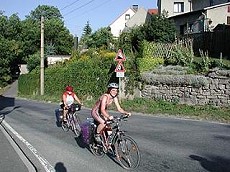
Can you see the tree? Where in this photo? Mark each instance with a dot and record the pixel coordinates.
(30, 36)
(85, 38)
(33, 61)
(19, 40)
(87, 29)
(101, 38)
(62, 41)
(49, 12)
(56, 34)
(159, 29)
(10, 46)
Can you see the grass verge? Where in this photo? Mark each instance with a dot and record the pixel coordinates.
(151, 107)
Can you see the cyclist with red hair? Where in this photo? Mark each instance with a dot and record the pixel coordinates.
(68, 98)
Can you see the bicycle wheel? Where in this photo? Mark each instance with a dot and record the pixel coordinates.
(1, 118)
(76, 125)
(127, 152)
(65, 126)
(96, 149)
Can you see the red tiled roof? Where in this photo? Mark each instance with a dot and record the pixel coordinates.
(153, 11)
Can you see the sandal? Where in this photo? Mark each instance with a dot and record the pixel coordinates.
(64, 120)
(98, 138)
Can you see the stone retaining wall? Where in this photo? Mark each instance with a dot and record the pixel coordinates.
(213, 89)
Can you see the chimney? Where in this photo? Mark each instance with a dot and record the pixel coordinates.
(135, 8)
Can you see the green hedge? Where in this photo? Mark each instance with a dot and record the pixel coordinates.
(29, 84)
(88, 76)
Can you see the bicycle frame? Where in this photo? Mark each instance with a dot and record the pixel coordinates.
(110, 140)
(70, 118)
(72, 123)
(123, 147)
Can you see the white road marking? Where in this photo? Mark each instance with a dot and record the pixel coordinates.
(47, 166)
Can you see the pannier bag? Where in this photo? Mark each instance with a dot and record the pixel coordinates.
(87, 131)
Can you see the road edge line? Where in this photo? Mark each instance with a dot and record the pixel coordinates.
(20, 153)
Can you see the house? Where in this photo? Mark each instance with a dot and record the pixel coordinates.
(52, 59)
(195, 16)
(133, 16)
(153, 11)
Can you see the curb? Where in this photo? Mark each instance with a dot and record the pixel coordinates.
(17, 149)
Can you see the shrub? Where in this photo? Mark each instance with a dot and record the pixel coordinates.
(147, 64)
(88, 77)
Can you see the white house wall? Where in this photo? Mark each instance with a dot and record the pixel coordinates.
(168, 6)
(138, 19)
(119, 24)
(218, 15)
(54, 59)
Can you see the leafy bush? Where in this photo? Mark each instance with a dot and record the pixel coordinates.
(29, 84)
(33, 61)
(147, 64)
(148, 49)
(88, 77)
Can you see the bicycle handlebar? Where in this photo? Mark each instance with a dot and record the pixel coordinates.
(116, 119)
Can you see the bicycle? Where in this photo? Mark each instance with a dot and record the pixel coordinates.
(115, 141)
(72, 120)
(2, 116)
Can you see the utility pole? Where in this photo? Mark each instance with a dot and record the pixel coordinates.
(75, 43)
(42, 57)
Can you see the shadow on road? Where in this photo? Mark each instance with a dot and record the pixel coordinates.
(7, 105)
(59, 167)
(6, 102)
(80, 142)
(57, 115)
(214, 164)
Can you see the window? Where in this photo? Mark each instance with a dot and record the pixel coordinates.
(211, 3)
(127, 16)
(178, 7)
(228, 20)
(181, 29)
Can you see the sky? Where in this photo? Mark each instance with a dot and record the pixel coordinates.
(76, 13)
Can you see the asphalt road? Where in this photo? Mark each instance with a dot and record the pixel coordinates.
(166, 144)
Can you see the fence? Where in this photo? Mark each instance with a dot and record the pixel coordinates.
(214, 43)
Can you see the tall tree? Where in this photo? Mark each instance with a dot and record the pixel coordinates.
(85, 38)
(10, 46)
(159, 29)
(48, 12)
(101, 38)
(56, 34)
(87, 29)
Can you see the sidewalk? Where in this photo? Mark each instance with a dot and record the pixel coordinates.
(11, 157)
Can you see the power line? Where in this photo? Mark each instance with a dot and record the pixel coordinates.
(79, 7)
(96, 7)
(92, 9)
(69, 5)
